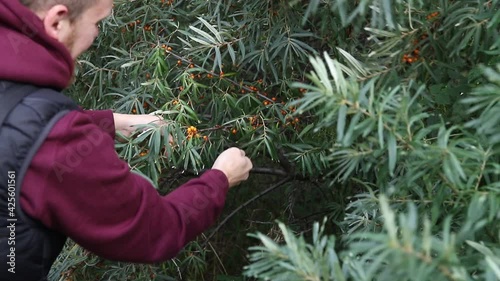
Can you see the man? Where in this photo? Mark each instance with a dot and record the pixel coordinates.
(63, 171)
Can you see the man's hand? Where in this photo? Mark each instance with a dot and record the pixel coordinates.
(234, 164)
(125, 124)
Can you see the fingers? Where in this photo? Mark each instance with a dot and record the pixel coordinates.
(234, 164)
(242, 152)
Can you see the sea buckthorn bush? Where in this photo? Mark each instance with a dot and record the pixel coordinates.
(373, 126)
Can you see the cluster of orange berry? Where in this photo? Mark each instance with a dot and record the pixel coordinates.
(273, 99)
(166, 48)
(253, 88)
(148, 27)
(415, 55)
(432, 15)
(290, 121)
(132, 24)
(145, 105)
(291, 108)
(267, 102)
(144, 153)
(255, 121)
(293, 121)
(411, 58)
(194, 76)
(192, 131)
(168, 2)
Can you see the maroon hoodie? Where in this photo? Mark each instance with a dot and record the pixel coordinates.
(77, 185)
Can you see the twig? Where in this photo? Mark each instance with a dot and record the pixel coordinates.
(269, 189)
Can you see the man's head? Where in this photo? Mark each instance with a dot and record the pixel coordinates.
(72, 22)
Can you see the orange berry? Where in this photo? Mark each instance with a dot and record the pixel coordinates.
(192, 131)
(234, 131)
(169, 48)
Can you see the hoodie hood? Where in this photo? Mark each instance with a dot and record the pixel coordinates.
(27, 54)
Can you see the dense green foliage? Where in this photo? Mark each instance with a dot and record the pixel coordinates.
(381, 116)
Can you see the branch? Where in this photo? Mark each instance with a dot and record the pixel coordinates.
(269, 171)
(220, 76)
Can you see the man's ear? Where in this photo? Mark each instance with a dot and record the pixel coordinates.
(56, 21)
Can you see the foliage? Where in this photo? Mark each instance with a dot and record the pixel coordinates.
(405, 250)
(422, 133)
(380, 115)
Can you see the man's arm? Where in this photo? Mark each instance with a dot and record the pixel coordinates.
(91, 196)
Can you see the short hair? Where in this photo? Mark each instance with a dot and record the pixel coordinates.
(75, 7)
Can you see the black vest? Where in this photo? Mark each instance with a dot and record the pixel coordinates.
(26, 247)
